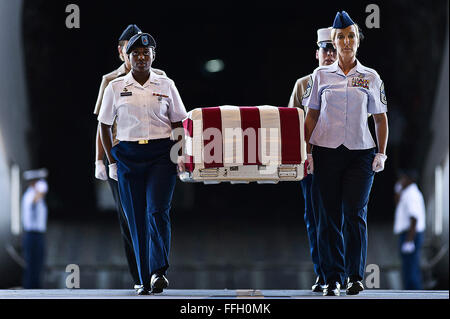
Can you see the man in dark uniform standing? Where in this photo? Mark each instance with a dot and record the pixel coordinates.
(100, 167)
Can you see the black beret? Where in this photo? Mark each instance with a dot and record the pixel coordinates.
(140, 40)
(131, 30)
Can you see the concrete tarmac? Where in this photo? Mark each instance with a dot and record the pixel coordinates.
(215, 294)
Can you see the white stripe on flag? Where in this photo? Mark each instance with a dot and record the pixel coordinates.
(188, 145)
(301, 115)
(232, 135)
(270, 135)
(197, 146)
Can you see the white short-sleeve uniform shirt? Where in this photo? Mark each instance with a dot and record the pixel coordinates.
(142, 112)
(34, 215)
(344, 101)
(411, 204)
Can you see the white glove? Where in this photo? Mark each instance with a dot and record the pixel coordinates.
(408, 247)
(378, 162)
(310, 168)
(180, 164)
(100, 170)
(113, 171)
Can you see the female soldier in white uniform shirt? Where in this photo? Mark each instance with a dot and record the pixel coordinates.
(343, 159)
(145, 106)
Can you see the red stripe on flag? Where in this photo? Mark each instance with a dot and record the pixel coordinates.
(305, 168)
(189, 163)
(250, 118)
(212, 119)
(188, 125)
(290, 135)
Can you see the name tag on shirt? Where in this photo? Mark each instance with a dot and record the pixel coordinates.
(126, 93)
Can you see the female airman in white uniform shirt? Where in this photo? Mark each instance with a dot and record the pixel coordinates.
(343, 157)
(145, 106)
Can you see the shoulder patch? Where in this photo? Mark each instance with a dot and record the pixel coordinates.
(383, 94)
(308, 88)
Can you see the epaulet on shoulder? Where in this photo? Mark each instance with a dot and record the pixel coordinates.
(163, 77)
(369, 70)
(117, 80)
(110, 75)
(159, 72)
(320, 68)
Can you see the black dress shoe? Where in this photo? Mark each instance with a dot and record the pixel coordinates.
(319, 285)
(354, 287)
(332, 289)
(158, 283)
(142, 291)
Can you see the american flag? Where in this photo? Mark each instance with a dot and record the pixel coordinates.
(230, 136)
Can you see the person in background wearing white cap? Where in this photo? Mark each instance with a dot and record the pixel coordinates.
(100, 163)
(34, 222)
(326, 55)
(343, 156)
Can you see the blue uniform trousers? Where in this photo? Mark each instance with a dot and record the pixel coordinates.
(147, 180)
(343, 179)
(124, 231)
(310, 222)
(34, 253)
(411, 273)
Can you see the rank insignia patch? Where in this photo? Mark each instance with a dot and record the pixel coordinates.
(144, 40)
(383, 94)
(360, 82)
(308, 88)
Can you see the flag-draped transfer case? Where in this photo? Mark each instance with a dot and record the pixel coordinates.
(265, 144)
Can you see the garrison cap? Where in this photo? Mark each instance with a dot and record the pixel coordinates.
(342, 20)
(131, 30)
(35, 174)
(140, 40)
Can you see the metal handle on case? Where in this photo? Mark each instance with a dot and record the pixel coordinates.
(287, 171)
(209, 172)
